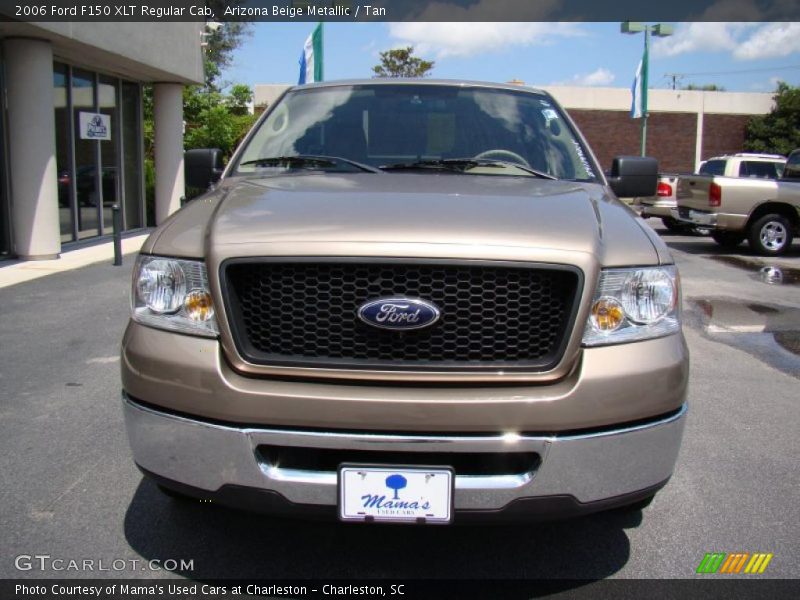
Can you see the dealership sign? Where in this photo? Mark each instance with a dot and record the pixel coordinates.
(94, 126)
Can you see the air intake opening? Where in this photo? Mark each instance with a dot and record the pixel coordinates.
(464, 463)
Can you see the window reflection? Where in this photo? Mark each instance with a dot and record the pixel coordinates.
(132, 166)
(65, 200)
(85, 157)
(107, 96)
(95, 174)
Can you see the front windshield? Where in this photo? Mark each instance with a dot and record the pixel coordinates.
(414, 126)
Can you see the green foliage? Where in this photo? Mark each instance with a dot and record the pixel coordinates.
(779, 131)
(238, 98)
(400, 62)
(220, 46)
(215, 120)
(217, 127)
(214, 117)
(704, 87)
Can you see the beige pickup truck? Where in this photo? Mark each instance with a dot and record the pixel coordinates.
(764, 210)
(409, 301)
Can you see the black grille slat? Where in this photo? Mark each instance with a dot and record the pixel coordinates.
(492, 316)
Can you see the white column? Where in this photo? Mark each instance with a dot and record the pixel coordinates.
(168, 148)
(32, 147)
(698, 142)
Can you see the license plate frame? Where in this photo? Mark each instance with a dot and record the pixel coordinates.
(441, 513)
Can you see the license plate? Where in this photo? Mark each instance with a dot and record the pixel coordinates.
(397, 494)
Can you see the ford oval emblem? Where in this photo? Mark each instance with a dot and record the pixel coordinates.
(399, 314)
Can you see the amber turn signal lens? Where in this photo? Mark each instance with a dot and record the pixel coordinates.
(607, 314)
(198, 305)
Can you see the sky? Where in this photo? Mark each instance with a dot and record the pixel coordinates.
(742, 57)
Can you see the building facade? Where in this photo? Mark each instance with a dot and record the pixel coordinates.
(71, 136)
(684, 127)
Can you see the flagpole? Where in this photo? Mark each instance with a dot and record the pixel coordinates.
(645, 69)
(639, 108)
(322, 52)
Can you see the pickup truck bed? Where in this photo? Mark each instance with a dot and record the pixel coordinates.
(765, 211)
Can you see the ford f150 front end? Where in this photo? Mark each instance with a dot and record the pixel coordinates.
(417, 302)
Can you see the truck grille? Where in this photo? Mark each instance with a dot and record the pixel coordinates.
(493, 316)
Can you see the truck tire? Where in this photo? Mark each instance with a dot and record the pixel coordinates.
(728, 239)
(771, 235)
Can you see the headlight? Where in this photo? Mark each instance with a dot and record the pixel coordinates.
(173, 294)
(634, 304)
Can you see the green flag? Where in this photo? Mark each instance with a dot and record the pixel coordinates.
(311, 60)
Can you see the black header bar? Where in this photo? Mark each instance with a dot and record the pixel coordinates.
(399, 10)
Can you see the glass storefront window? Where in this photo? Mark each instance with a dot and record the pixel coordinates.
(63, 169)
(85, 157)
(95, 174)
(107, 100)
(131, 159)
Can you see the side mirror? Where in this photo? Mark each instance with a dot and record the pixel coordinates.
(202, 167)
(634, 176)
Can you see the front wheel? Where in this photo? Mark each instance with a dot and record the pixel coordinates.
(771, 235)
(727, 239)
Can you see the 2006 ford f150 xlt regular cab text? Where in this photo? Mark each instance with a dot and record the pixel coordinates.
(411, 301)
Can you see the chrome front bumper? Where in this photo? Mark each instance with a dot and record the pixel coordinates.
(589, 466)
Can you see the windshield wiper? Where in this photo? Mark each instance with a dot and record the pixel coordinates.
(462, 164)
(308, 160)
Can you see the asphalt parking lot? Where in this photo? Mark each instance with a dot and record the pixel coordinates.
(70, 489)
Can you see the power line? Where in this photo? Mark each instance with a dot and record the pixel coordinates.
(739, 72)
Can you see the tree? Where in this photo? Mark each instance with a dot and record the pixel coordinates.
(221, 43)
(239, 97)
(704, 87)
(214, 118)
(778, 131)
(400, 62)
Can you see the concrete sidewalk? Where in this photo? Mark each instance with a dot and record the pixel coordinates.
(20, 271)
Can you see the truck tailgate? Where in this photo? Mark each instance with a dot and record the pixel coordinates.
(693, 191)
(736, 195)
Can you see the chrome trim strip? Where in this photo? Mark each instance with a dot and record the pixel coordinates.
(682, 412)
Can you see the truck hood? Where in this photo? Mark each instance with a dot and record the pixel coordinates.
(263, 216)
